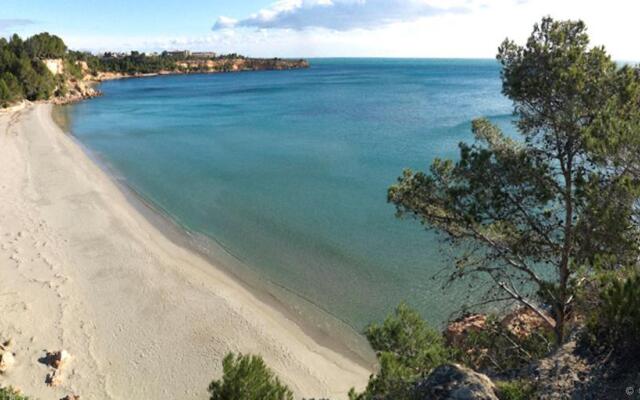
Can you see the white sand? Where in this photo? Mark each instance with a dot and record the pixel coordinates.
(143, 318)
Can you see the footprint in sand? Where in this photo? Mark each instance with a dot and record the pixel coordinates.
(16, 258)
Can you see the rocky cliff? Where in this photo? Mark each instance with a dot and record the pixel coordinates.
(83, 88)
(217, 65)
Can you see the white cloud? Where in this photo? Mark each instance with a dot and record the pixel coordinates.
(475, 33)
(225, 23)
(340, 15)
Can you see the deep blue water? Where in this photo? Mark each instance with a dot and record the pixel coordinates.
(289, 170)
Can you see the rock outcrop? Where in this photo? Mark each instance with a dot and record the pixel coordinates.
(458, 330)
(239, 64)
(76, 90)
(7, 358)
(54, 65)
(523, 321)
(207, 66)
(455, 382)
(564, 375)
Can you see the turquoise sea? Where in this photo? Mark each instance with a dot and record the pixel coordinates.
(288, 170)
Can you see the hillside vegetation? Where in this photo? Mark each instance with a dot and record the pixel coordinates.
(24, 74)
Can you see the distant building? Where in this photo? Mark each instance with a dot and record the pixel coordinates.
(179, 53)
(203, 54)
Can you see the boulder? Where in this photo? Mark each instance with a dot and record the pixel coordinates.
(71, 397)
(6, 344)
(7, 360)
(455, 382)
(57, 359)
(54, 378)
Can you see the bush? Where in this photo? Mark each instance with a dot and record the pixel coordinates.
(246, 377)
(407, 349)
(614, 325)
(5, 94)
(11, 394)
(515, 390)
(73, 70)
(12, 90)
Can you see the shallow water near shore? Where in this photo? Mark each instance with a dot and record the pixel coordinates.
(287, 171)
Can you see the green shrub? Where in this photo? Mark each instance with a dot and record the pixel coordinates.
(12, 90)
(72, 70)
(246, 377)
(407, 350)
(515, 390)
(11, 394)
(614, 325)
(5, 94)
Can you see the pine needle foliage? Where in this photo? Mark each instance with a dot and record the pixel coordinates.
(247, 377)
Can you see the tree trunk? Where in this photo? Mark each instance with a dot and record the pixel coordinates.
(559, 328)
(561, 301)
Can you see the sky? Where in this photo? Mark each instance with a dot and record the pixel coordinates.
(317, 28)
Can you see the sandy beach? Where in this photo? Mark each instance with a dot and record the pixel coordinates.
(143, 318)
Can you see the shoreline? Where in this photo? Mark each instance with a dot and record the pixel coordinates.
(315, 321)
(112, 76)
(143, 316)
(86, 88)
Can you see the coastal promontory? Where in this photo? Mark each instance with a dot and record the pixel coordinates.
(41, 67)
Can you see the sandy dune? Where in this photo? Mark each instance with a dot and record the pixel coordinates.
(143, 318)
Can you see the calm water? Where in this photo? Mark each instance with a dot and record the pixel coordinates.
(289, 170)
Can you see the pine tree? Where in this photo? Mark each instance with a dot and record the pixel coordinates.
(247, 377)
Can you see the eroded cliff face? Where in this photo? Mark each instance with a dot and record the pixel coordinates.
(84, 88)
(210, 66)
(240, 64)
(75, 90)
(55, 65)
